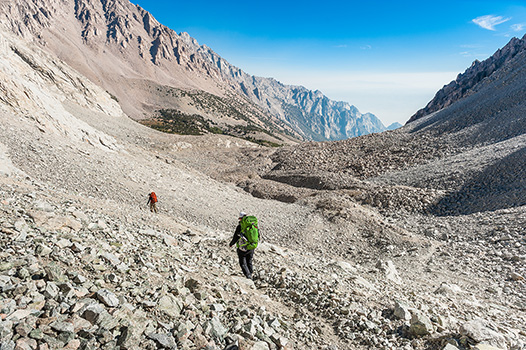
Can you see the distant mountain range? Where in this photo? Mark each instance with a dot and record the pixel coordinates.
(147, 67)
(394, 126)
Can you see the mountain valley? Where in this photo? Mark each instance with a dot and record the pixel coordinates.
(405, 239)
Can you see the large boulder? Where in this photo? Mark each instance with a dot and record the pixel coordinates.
(420, 325)
(484, 332)
(401, 310)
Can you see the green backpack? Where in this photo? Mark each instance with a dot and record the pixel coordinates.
(249, 229)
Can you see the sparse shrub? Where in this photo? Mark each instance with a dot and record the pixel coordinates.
(113, 97)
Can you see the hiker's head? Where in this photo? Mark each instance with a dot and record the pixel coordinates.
(242, 214)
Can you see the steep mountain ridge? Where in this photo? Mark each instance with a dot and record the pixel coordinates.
(466, 83)
(494, 109)
(35, 85)
(115, 43)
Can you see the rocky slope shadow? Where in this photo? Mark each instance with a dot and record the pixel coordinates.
(499, 186)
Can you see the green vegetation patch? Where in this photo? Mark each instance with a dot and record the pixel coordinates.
(176, 122)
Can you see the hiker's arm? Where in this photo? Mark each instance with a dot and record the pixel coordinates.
(236, 237)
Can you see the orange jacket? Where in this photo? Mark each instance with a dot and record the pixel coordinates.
(153, 198)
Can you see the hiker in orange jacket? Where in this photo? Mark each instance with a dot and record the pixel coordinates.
(152, 200)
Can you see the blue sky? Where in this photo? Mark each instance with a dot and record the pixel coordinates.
(385, 57)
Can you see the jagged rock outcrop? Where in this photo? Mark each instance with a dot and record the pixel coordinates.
(117, 45)
(466, 83)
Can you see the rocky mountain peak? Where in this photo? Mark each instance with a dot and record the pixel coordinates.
(28, 18)
(466, 82)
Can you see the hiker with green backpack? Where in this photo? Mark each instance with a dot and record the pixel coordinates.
(246, 239)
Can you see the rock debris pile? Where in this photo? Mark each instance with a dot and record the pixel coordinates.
(75, 277)
(72, 278)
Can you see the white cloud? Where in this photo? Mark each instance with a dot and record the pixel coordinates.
(489, 22)
(518, 27)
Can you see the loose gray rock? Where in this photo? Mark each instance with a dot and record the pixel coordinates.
(260, 345)
(486, 347)
(389, 269)
(51, 290)
(54, 273)
(170, 305)
(43, 206)
(64, 243)
(482, 331)
(420, 324)
(516, 277)
(6, 330)
(77, 247)
(8, 345)
(62, 327)
(111, 258)
(216, 328)
(448, 289)
(107, 298)
(401, 310)
(166, 341)
(42, 250)
(92, 312)
(79, 279)
(217, 307)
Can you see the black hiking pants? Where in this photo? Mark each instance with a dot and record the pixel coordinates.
(245, 261)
